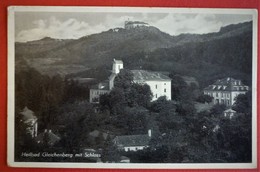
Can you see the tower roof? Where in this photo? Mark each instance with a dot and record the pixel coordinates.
(118, 61)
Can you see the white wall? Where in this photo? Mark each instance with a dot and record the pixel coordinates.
(228, 97)
(160, 88)
(96, 93)
(134, 148)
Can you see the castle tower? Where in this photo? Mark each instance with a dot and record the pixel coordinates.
(117, 66)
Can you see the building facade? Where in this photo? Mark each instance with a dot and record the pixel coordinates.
(224, 91)
(159, 83)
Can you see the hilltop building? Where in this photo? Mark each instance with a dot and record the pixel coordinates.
(224, 91)
(135, 24)
(159, 83)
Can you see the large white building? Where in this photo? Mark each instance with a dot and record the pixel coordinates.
(224, 91)
(159, 83)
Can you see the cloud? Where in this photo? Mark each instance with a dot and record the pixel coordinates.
(61, 27)
(52, 27)
(176, 24)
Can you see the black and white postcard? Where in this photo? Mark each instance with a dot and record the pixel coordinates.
(128, 87)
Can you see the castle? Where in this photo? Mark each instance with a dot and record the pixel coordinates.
(159, 83)
(135, 24)
(224, 91)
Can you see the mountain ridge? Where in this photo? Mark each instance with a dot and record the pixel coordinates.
(51, 56)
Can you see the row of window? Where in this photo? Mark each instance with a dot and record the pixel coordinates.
(97, 93)
(222, 101)
(218, 94)
(157, 86)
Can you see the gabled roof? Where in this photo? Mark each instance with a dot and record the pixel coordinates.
(229, 111)
(143, 75)
(132, 140)
(227, 84)
(28, 114)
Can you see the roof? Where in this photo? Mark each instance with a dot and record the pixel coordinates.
(227, 84)
(118, 61)
(136, 22)
(132, 140)
(101, 86)
(143, 75)
(229, 111)
(28, 114)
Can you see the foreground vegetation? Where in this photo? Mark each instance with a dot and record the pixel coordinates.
(179, 132)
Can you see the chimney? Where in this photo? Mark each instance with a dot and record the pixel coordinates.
(150, 133)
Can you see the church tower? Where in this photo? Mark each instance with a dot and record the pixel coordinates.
(117, 66)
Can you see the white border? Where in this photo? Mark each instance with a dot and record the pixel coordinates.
(11, 85)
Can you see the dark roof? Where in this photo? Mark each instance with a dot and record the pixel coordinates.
(101, 86)
(227, 84)
(143, 75)
(132, 140)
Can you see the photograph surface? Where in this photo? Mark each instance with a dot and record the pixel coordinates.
(110, 87)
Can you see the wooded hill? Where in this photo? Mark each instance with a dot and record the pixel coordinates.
(206, 57)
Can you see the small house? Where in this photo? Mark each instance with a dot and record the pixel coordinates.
(133, 142)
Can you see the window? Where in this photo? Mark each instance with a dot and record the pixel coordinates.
(155, 95)
(165, 90)
(216, 94)
(222, 101)
(227, 102)
(156, 86)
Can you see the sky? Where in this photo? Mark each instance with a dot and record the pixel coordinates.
(31, 26)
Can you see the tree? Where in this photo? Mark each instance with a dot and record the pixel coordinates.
(243, 103)
(217, 109)
(110, 152)
(204, 98)
(126, 93)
